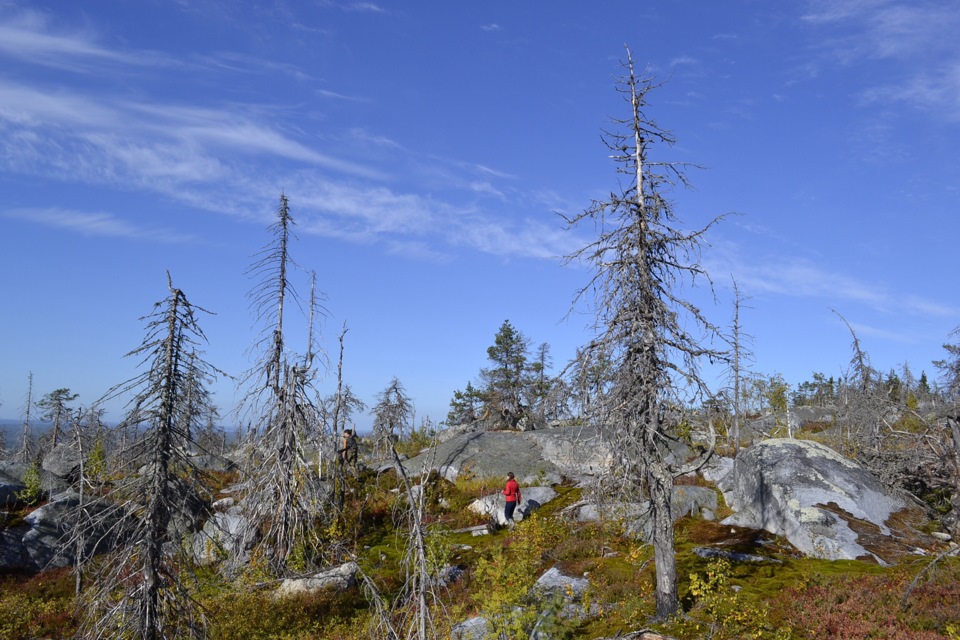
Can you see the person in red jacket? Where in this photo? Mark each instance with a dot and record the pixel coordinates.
(512, 495)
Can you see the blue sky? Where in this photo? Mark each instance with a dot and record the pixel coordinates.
(427, 150)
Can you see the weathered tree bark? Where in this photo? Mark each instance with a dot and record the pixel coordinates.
(642, 323)
(284, 501)
(139, 589)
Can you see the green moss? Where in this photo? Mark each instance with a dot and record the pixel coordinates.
(41, 605)
(620, 570)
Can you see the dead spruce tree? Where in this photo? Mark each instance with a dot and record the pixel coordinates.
(141, 588)
(283, 498)
(865, 408)
(642, 322)
(948, 445)
(740, 355)
(419, 598)
(26, 448)
(392, 416)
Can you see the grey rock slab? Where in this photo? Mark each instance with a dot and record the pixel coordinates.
(342, 577)
(810, 494)
(536, 457)
(532, 498)
(63, 461)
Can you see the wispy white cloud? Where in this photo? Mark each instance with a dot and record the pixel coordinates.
(72, 123)
(797, 277)
(493, 26)
(339, 96)
(528, 238)
(98, 224)
(241, 63)
(233, 158)
(483, 169)
(29, 37)
(918, 35)
(487, 189)
(418, 250)
(684, 60)
(826, 11)
(365, 137)
(363, 7)
(886, 28)
(932, 92)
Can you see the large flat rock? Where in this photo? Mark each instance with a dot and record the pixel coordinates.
(826, 505)
(536, 457)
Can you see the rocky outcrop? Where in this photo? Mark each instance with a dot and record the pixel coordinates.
(562, 590)
(687, 500)
(42, 542)
(212, 462)
(532, 498)
(826, 505)
(340, 578)
(226, 536)
(13, 481)
(537, 457)
(63, 461)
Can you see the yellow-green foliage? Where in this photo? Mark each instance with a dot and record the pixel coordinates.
(911, 423)
(32, 491)
(502, 579)
(37, 607)
(261, 616)
(96, 463)
(419, 439)
(837, 599)
(719, 612)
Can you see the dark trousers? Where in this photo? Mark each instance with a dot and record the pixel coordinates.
(508, 510)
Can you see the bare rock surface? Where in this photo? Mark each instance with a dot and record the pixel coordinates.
(687, 501)
(826, 505)
(13, 481)
(63, 461)
(342, 577)
(536, 457)
(41, 542)
(532, 498)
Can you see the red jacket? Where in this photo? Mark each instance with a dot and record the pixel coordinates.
(512, 491)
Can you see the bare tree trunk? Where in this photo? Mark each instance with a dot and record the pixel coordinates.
(740, 352)
(338, 400)
(25, 450)
(637, 257)
(139, 589)
(660, 481)
(954, 426)
(417, 590)
(284, 497)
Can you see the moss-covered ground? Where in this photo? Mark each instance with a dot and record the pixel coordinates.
(784, 596)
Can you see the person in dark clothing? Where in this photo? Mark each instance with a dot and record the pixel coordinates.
(511, 494)
(348, 451)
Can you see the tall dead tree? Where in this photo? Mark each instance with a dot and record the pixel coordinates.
(141, 589)
(643, 324)
(864, 407)
(25, 448)
(392, 416)
(740, 353)
(283, 498)
(419, 597)
(950, 417)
